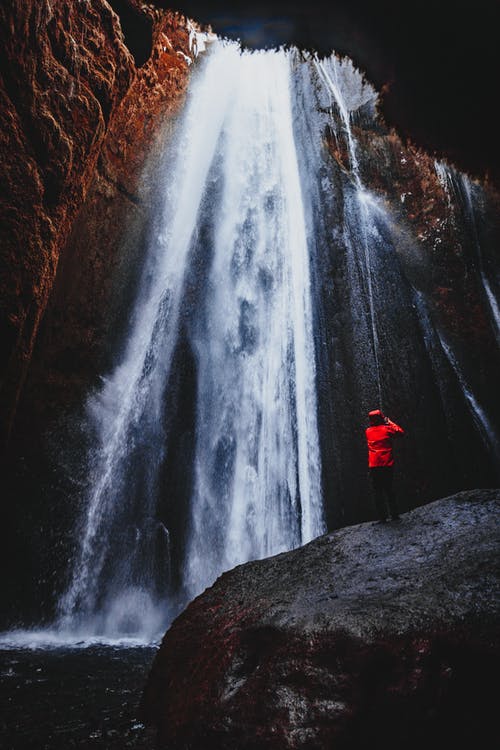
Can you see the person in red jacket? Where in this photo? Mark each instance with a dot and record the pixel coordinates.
(379, 437)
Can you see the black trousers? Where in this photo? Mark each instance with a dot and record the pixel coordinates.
(385, 499)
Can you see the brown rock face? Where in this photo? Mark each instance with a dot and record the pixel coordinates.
(426, 206)
(80, 115)
(72, 97)
(435, 211)
(102, 249)
(66, 68)
(373, 636)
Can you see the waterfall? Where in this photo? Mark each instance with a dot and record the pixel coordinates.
(274, 276)
(257, 465)
(461, 195)
(491, 294)
(460, 190)
(436, 344)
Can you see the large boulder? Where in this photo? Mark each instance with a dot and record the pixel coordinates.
(376, 635)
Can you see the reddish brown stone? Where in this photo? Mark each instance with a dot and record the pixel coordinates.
(405, 177)
(72, 98)
(66, 70)
(108, 236)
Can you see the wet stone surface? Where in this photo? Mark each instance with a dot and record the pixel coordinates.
(73, 698)
(375, 635)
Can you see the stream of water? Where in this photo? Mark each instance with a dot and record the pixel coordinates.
(257, 488)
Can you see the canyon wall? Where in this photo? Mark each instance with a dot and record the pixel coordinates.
(443, 228)
(79, 114)
(88, 89)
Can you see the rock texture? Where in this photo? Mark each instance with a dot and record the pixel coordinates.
(434, 211)
(88, 89)
(66, 69)
(441, 232)
(372, 636)
(72, 98)
(100, 254)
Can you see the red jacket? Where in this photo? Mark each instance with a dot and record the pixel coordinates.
(379, 438)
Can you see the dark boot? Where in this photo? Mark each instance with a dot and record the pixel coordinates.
(381, 506)
(393, 505)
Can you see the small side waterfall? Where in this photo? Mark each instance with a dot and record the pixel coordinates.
(435, 345)
(361, 211)
(461, 190)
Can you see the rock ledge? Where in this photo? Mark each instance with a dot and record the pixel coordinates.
(373, 635)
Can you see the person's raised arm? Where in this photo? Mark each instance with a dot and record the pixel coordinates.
(394, 428)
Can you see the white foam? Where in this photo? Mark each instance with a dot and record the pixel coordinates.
(52, 639)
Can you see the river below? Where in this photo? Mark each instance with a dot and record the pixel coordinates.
(83, 696)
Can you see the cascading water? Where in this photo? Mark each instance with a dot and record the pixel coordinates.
(257, 464)
(461, 191)
(113, 573)
(280, 274)
(257, 467)
(435, 344)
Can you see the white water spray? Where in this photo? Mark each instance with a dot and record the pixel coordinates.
(257, 465)
(131, 398)
(257, 460)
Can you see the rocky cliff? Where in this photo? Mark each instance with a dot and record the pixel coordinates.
(101, 252)
(440, 230)
(81, 103)
(87, 90)
(372, 636)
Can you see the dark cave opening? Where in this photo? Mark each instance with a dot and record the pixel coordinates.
(137, 29)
